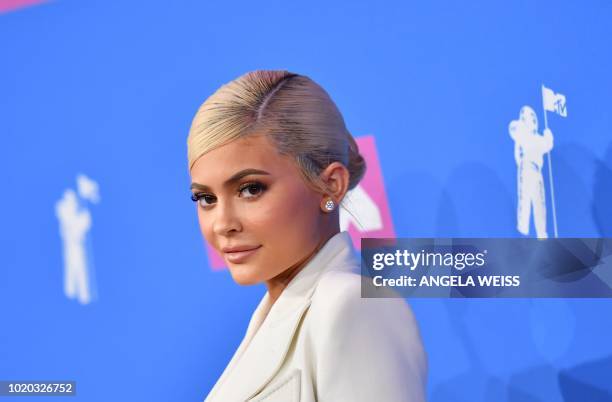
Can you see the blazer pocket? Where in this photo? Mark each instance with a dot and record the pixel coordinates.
(287, 390)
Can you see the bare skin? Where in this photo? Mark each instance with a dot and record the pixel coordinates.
(271, 210)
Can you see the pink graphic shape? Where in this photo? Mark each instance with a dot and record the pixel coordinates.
(216, 261)
(10, 5)
(372, 183)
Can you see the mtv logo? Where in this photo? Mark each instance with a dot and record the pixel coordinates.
(554, 102)
(560, 107)
(369, 209)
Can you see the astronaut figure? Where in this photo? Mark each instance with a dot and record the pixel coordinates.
(74, 225)
(529, 149)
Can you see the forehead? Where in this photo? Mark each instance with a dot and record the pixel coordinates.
(253, 151)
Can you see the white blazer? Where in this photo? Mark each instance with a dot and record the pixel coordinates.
(320, 341)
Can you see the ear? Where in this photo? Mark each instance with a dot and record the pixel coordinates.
(336, 178)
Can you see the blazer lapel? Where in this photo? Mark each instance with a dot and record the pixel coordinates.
(257, 319)
(270, 333)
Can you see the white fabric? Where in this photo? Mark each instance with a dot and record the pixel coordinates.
(320, 341)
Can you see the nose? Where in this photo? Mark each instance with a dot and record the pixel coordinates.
(225, 220)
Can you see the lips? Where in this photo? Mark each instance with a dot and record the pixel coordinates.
(239, 254)
(237, 248)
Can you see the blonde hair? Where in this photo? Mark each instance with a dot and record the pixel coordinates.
(294, 111)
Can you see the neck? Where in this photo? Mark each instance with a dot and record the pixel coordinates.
(277, 284)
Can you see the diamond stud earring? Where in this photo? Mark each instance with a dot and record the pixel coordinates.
(329, 205)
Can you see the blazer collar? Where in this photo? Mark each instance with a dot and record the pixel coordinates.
(272, 327)
(336, 254)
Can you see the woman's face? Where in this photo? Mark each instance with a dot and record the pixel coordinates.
(251, 197)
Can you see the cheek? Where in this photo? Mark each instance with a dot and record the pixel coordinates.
(290, 227)
(205, 227)
(284, 210)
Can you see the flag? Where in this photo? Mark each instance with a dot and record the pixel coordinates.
(554, 102)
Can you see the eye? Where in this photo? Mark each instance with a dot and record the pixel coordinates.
(248, 190)
(252, 190)
(203, 199)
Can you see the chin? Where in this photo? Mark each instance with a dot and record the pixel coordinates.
(243, 275)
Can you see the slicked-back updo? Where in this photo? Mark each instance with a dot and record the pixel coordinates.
(297, 114)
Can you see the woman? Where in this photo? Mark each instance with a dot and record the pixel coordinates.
(271, 160)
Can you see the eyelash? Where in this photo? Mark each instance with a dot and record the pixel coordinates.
(262, 187)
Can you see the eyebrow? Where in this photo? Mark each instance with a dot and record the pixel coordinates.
(233, 179)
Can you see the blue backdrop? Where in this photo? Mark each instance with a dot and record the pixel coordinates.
(108, 89)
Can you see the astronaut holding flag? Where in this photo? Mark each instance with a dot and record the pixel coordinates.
(529, 150)
(75, 223)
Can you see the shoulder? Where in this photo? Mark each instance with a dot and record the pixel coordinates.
(336, 289)
(371, 345)
(337, 303)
